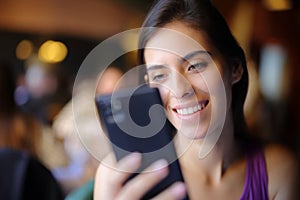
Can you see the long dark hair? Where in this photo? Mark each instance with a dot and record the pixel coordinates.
(202, 16)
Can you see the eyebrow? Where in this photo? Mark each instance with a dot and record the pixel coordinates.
(155, 67)
(183, 59)
(194, 53)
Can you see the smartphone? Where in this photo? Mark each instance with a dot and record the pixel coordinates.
(135, 121)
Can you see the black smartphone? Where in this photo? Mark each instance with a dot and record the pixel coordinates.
(135, 121)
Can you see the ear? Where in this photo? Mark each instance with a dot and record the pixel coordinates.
(237, 73)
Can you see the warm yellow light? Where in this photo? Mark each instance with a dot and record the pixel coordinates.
(24, 49)
(52, 52)
(130, 41)
(277, 5)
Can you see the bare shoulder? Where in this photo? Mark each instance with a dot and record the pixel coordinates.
(283, 172)
(279, 154)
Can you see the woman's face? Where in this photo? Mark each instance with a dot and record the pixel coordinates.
(193, 80)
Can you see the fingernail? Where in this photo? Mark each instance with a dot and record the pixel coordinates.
(160, 167)
(179, 190)
(160, 164)
(134, 158)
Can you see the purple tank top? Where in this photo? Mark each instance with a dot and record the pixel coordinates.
(256, 184)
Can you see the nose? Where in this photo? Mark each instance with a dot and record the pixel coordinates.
(180, 86)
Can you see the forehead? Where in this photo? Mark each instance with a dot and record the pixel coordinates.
(178, 38)
(158, 56)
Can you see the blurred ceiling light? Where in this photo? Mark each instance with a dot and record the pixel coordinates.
(24, 49)
(52, 52)
(272, 71)
(130, 40)
(278, 5)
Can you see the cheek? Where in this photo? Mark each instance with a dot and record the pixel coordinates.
(214, 84)
(207, 82)
(199, 83)
(219, 89)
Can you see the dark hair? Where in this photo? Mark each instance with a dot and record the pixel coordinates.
(202, 16)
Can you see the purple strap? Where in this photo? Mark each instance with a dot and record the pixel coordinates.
(256, 184)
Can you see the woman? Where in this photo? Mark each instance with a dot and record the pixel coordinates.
(188, 77)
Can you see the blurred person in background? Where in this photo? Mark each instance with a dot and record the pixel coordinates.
(85, 149)
(22, 175)
(18, 130)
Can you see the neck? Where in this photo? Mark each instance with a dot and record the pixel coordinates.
(217, 157)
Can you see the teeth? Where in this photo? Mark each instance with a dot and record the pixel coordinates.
(190, 110)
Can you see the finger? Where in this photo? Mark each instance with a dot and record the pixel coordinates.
(127, 165)
(101, 189)
(137, 187)
(175, 191)
(110, 175)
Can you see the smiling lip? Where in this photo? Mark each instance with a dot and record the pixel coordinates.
(189, 110)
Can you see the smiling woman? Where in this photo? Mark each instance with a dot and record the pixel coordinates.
(200, 70)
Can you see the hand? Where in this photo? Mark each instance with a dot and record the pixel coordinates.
(111, 176)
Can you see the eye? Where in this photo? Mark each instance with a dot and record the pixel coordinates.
(158, 77)
(197, 67)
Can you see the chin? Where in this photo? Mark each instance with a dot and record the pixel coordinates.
(196, 133)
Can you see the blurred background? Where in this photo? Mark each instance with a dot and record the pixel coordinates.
(45, 41)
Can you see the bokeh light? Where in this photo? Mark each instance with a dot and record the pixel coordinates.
(24, 49)
(278, 5)
(52, 51)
